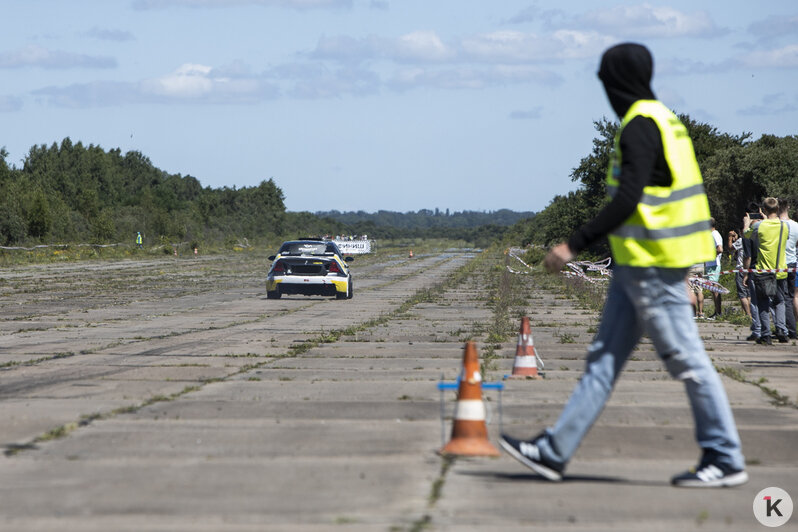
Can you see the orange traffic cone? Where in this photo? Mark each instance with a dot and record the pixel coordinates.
(469, 432)
(526, 358)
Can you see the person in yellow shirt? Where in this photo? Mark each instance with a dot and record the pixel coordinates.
(771, 236)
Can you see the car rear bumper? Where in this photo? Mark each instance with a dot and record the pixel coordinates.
(297, 284)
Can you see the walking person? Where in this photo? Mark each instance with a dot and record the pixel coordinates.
(658, 226)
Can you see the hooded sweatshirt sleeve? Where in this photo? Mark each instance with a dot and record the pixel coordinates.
(643, 157)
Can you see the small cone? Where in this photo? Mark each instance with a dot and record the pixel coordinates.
(526, 358)
(469, 432)
(411, 254)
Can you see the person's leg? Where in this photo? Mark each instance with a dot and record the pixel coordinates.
(713, 274)
(619, 332)
(756, 325)
(778, 303)
(742, 293)
(745, 302)
(665, 314)
(700, 303)
(763, 305)
(789, 307)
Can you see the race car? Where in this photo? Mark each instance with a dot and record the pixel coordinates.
(311, 268)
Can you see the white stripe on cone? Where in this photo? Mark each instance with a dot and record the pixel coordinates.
(470, 410)
(525, 362)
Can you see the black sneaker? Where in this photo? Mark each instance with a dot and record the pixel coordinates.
(752, 338)
(782, 339)
(764, 340)
(710, 475)
(527, 453)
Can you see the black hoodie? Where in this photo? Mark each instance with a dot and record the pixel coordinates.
(626, 71)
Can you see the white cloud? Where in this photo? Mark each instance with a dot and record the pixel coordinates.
(647, 21)
(189, 83)
(39, 56)
(774, 26)
(471, 77)
(421, 46)
(109, 35)
(345, 48)
(418, 46)
(531, 114)
(519, 47)
(785, 57)
(319, 81)
(772, 104)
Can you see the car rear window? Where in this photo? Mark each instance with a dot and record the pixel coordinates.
(305, 248)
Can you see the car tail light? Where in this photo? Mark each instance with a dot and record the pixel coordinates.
(334, 268)
(278, 267)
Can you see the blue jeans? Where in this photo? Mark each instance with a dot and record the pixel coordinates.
(756, 326)
(652, 301)
(776, 304)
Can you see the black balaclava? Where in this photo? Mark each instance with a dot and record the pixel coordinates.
(626, 70)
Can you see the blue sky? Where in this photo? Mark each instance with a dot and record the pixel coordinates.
(379, 104)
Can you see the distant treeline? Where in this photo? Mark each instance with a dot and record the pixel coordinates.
(736, 170)
(425, 218)
(480, 228)
(70, 192)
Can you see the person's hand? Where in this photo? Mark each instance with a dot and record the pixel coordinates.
(746, 222)
(557, 257)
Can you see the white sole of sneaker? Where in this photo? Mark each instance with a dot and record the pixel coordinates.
(540, 469)
(735, 479)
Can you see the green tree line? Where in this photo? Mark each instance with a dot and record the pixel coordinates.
(72, 193)
(737, 170)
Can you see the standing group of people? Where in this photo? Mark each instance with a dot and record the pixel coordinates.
(768, 242)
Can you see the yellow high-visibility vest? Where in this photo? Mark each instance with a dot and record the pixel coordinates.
(670, 226)
(771, 236)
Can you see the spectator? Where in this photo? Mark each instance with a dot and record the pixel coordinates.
(771, 236)
(754, 212)
(787, 286)
(712, 269)
(735, 245)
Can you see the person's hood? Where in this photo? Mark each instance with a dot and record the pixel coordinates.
(626, 70)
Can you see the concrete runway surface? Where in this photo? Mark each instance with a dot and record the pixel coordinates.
(170, 394)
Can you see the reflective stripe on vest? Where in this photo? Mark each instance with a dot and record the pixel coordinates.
(670, 225)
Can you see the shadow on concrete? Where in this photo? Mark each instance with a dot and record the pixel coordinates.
(770, 363)
(588, 479)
